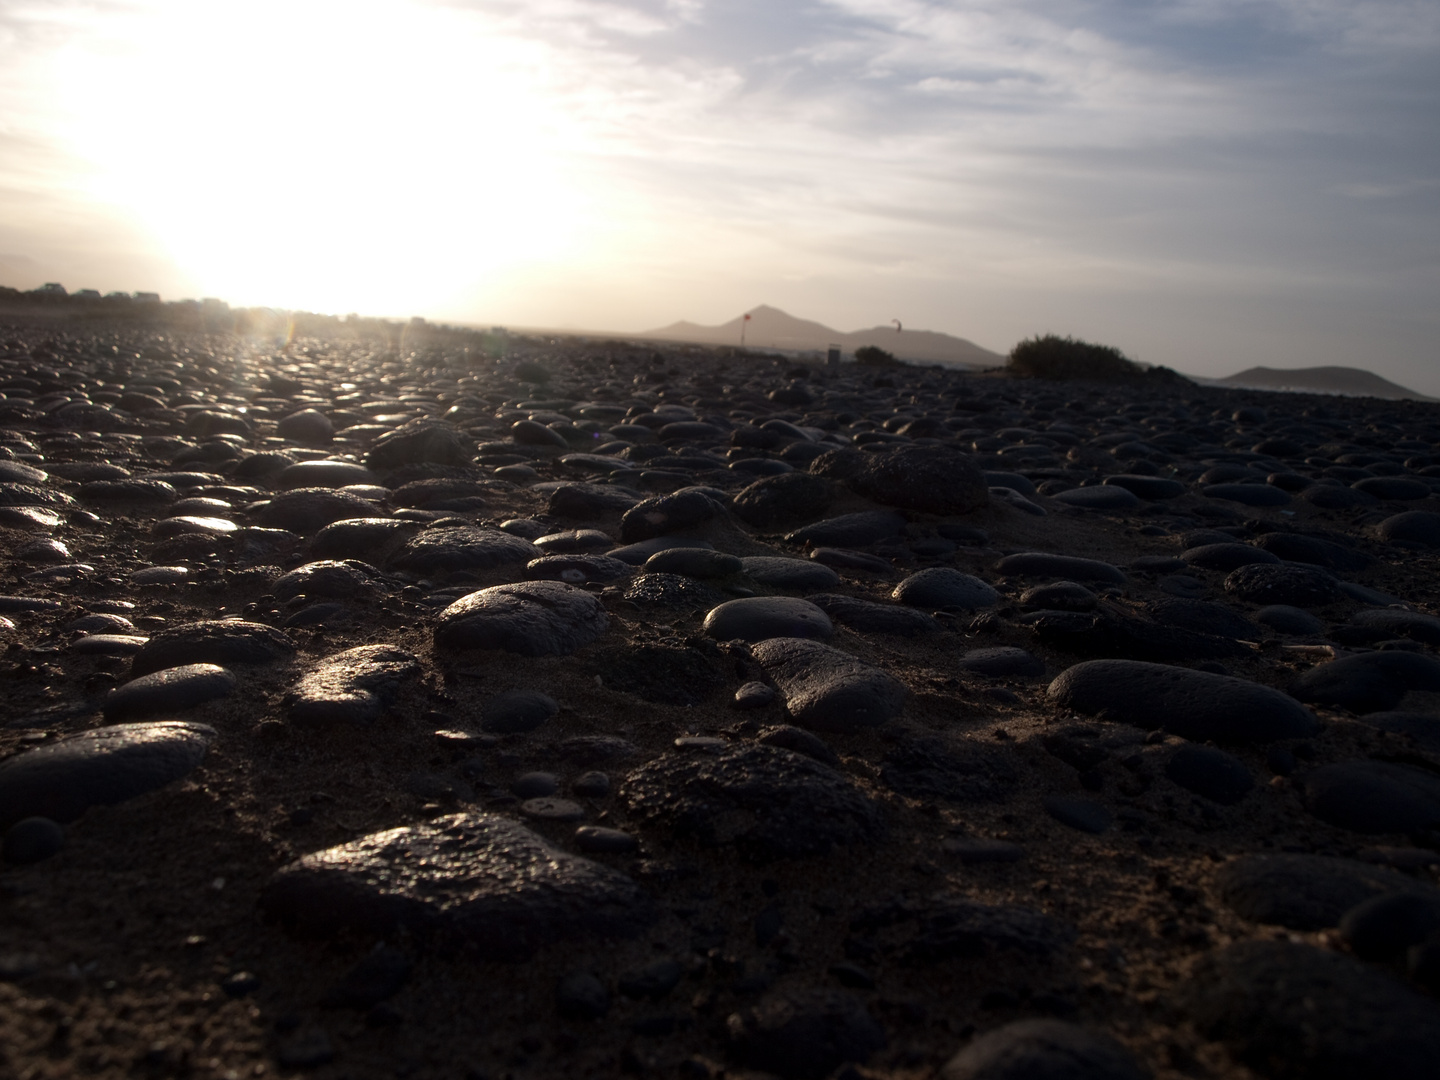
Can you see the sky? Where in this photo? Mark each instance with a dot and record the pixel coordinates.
(1206, 184)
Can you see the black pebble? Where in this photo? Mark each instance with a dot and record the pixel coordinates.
(32, 840)
(581, 996)
(1384, 927)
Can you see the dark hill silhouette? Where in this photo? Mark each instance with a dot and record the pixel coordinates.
(771, 328)
(1352, 382)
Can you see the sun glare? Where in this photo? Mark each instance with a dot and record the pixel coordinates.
(381, 157)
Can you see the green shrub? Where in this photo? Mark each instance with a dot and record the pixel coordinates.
(874, 356)
(1055, 357)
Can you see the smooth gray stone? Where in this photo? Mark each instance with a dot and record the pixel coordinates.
(1247, 494)
(132, 489)
(171, 690)
(32, 840)
(1011, 497)
(322, 474)
(1335, 497)
(870, 617)
(1297, 1011)
(1001, 661)
(1102, 497)
(532, 618)
(107, 765)
(667, 514)
(473, 879)
(755, 618)
(1367, 682)
(31, 519)
(215, 641)
(161, 575)
(1374, 796)
(1043, 564)
(578, 569)
(1213, 774)
(1014, 481)
(826, 689)
(943, 587)
(350, 687)
(851, 530)
(328, 579)
(1420, 527)
(1043, 1050)
(371, 538)
(1194, 704)
(107, 645)
(590, 500)
(765, 800)
(13, 604)
(783, 501)
(419, 440)
(781, 573)
(693, 562)
(1384, 928)
(639, 554)
(517, 711)
(309, 427)
(1302, 892)
(573, 542)
(1400, 488)
(17, 472)
(845, 559)
(464, 547)
(305, 511)
(1227, 555)
(1284, 619)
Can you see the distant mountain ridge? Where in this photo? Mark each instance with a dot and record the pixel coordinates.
(1351, 382)
(771, 328)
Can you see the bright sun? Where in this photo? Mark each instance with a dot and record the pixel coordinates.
(371, 156)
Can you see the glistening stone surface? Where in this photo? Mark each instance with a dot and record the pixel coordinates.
(169, 690)
(476, 879)
(532, 618)
(755, 618)
(350, 687)
(826, 689)
(107, 765)
(214, 641)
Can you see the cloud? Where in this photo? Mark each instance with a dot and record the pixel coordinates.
(1065, 159)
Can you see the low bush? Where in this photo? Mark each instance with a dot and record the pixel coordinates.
(1055, 357)
(874, 356)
